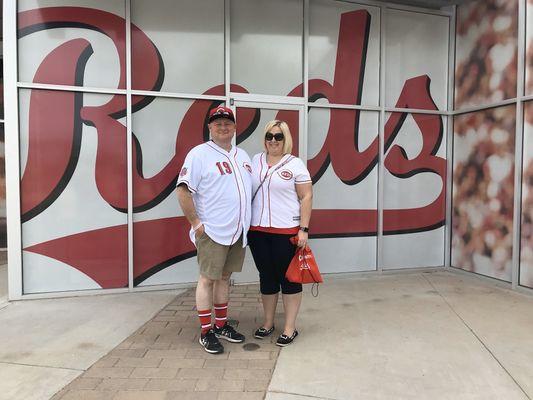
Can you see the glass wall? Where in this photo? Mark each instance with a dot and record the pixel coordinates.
(489, 141)
(526, 243)
(483, 191)
(349, 102)
(3, 224)
(486, 52)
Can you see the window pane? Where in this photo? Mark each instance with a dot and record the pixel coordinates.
(266, 46)
(529, 47)
(526, 249)
(164, 130)
(416, 48)
(342, 158)
(251, 123)
(414, 191)
(483, 187)
(344, 52)
(76, 42)
(73, 191)
(486, 48)
(3, 224)
(178, 49)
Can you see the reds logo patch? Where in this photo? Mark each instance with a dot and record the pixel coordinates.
(183, 171)
(285, 174)
(247, 166)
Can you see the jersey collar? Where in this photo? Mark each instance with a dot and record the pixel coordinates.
(217, 147)
(282, 159)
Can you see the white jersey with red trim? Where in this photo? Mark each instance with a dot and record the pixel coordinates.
(220, 183)
(276, 203)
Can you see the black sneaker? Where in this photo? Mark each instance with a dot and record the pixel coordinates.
(284, 340)
(229, 333)
(210, 343)
(263, 332)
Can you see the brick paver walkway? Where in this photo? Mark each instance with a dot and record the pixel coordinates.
(163, 360)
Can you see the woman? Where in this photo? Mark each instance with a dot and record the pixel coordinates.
(281, 209)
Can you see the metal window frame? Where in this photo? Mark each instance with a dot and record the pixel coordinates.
(12, 86)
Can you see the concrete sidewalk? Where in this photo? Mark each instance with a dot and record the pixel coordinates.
(420, 335)
(45, 344)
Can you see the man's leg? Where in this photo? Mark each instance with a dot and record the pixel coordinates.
(204, 301)
(221, 297)
(234, 262)
(211, 258)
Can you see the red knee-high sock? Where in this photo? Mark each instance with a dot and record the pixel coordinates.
(205, 320)
(221, 314)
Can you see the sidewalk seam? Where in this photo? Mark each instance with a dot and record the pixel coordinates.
(42, 366)
(477, 337)
(302, 395)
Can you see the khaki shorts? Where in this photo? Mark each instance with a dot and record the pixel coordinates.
(215, 259)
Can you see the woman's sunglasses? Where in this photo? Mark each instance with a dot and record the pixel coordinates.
(277, 136)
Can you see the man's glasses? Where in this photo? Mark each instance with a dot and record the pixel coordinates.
(277, 136)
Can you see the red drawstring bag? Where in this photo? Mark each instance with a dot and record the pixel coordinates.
(303, 267)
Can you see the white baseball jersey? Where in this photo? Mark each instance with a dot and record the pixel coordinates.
(220, 183)
(276, 204)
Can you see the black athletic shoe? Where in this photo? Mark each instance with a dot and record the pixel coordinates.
(284, 340)
(262, 332)
(228, 333)
(210, 343)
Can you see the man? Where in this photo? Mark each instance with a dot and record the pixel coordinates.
(214, 192)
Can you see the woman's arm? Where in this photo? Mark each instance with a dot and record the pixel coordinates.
(305, 195)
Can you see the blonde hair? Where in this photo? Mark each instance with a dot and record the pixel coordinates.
(287, 144)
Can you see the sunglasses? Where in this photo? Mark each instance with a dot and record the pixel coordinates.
(277, 136)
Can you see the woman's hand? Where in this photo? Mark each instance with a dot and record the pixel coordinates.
(303, 237)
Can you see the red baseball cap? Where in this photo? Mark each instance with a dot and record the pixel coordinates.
(221, 112)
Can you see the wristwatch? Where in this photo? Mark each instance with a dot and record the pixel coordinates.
(304, 228)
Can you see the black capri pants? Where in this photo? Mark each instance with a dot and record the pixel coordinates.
(272, 253)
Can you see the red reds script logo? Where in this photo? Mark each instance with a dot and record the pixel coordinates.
(47, 174)
(285, 174)
(248, 167)
(183, 171)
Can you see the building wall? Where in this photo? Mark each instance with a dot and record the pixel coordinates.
(358, 78)
(489, 89)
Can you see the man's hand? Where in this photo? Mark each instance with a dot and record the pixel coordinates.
(199, 232)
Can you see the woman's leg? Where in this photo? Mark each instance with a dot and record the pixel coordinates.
(291, 303)
(270, 301)
(291, 292)
(261, 249)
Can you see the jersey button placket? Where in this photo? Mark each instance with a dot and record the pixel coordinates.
(240, 186)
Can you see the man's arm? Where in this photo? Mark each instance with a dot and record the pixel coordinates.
(187, 206)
